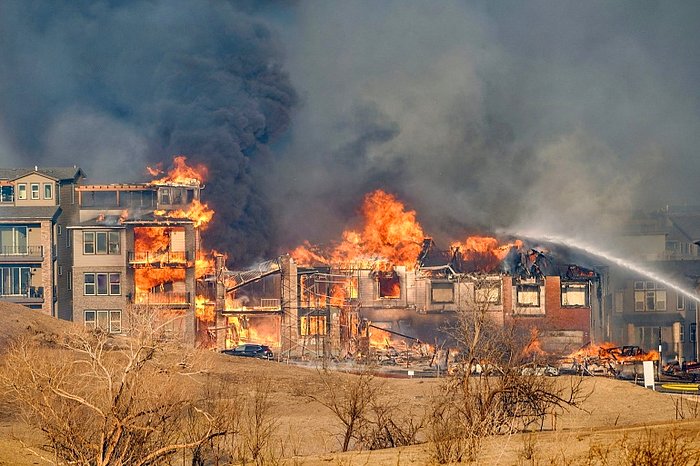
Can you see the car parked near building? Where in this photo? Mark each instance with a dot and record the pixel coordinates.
(251, 351)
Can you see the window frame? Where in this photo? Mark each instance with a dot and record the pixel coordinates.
(441, 285)
(522, 287)
(50, 190)
(93, 284)
(86, 242)
(22, 191)
(32, 191)
(113, 319)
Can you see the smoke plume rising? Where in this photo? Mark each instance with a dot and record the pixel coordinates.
(115, 85)
(492, 115)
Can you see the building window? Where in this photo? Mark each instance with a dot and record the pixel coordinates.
(60, 270)
(7, 193)
(59, 230)
(48, 190)
(35, 190)
(693, 335)
(115, 287)
(313, 325)
(619, 300)
(442, 292)
(22, 191)
(488, 291)
(528, 295)
(102, 284)
(70, 280)
(389, 285)
(107, 320)
(68, 237)
(649, 296)
(13, 240)
(15, 281)
(89, 280)
(101, 242)
(574, 294)
(681, 333)
(680, 302)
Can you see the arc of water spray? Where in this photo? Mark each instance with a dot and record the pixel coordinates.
(606, 256)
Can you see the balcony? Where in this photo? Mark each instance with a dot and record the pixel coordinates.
(21, 254)
(172, 299)
(31, 295)
(160, 259)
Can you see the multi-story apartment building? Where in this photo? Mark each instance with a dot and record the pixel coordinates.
(649, 312)
(36, 207)
(133, 246)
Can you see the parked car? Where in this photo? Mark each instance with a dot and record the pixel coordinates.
(251, 351)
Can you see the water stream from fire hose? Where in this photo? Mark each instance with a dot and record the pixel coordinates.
(609, 257)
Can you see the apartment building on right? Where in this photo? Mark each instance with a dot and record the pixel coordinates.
(653, 313)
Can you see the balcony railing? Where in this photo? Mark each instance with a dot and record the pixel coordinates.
(160, 259)
(168, 298)
(31, 294)
(21, 254)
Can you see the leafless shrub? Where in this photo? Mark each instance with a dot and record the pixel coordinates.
(104, 401)
(686, 407)
(650, 450)
(259, 426)
(369, 418)
(488, 394)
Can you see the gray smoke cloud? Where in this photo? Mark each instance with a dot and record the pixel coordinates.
(115, 85)
(490, 115)
(483, 115)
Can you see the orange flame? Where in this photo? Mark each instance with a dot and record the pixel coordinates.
(196, 211)
(180, 173)
(484, 251)
(390, 233)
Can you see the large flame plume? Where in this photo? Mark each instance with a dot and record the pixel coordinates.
(390, 234)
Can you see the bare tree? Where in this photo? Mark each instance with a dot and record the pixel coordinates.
(107, 400)
(489, 393)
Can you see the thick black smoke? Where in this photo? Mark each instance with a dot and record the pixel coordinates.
(115, 85)
(546, 115)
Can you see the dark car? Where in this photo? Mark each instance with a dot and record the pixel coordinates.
(251, 351)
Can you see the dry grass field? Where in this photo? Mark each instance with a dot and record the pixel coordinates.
(616, 419)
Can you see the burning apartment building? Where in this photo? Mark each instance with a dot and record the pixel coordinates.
(388, 284)
(138, 245)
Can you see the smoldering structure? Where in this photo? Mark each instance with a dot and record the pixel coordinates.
(379, 291)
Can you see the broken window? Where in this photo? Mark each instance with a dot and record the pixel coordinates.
(574, 294)
(442, 292)
(528, 295)
(488, 291)
(164, 196)
(389, 285)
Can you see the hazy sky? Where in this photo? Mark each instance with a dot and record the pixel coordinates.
(480, 115)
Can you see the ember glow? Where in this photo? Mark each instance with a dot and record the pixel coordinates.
(390, 233)
(196, 211)
(485, 253)
(612, 352)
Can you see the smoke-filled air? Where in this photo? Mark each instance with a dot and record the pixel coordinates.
(482, 116)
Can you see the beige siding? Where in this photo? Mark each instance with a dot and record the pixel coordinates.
(40, 180)
(96, 260)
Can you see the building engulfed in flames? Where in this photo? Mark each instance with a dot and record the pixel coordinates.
(388, 285)
(138, 245)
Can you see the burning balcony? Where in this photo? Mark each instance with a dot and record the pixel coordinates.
(160, 259)
(173, 299)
